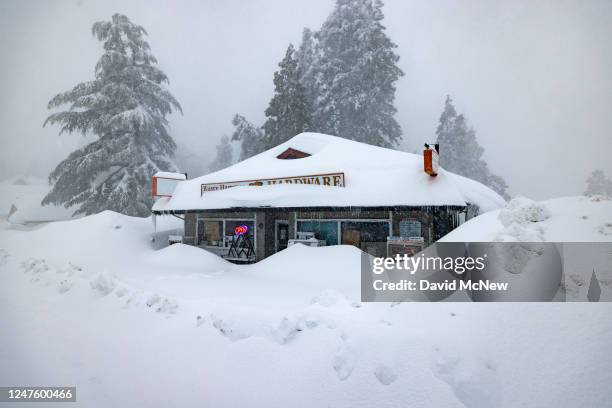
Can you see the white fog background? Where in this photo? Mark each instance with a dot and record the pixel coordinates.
(533, 78)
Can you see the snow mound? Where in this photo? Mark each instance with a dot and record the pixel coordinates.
(313, 268)
(517, 218)
(26, 193)
(566, 219)
(103, 284)
(97, 289)
(188, 258)
(522, 210)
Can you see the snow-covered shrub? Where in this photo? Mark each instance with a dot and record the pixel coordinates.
(521, 210)
(520, 219)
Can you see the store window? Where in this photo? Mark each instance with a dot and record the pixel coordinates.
(370, 237)
(442, 223)
(230, 229)
(410, 228)
(326, 230)
(210, 233)
(219, 233)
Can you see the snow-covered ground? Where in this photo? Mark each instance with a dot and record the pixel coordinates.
(26, 193)
(582, 221)
(89, 302)
(567, 219)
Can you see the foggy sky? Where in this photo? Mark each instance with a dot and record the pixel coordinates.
(533, 78)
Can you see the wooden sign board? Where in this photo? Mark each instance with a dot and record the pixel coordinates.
(328, 179)
(163, 186)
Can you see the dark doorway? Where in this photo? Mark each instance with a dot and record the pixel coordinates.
(281, 235)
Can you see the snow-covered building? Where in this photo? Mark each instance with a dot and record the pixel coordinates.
(323, 190)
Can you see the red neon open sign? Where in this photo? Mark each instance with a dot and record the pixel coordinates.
(241, 230)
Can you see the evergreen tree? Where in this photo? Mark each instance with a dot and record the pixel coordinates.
(288, 113)
(598, 184)
(460, 152)
(356, 73)
(250, 136)
(306, 56)
(125, 106)
(224, 155)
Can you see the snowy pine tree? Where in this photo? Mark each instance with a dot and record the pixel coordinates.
(306, 55)
(224, 155)
(250, 136)
(356, 73)
(598, 184)
(125, 106)
(460, 152)
(288, 113)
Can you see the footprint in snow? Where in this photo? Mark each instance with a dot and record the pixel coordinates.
(153, 299)
(385, 374)
(344, 364)
(229, 329)
(35, 266)
(121, 292)
(474, 383)
(64, 285)
(286, 331)
(132, 300)
(167, 306)
(4, 255)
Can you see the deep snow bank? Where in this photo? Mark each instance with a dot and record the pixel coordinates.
(119, 247)
(90, 302)
(567, 219)
(26, 193)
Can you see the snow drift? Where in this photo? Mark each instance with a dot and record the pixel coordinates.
(90, 303)
(567, 219)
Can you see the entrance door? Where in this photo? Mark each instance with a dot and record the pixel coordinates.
(282, 235)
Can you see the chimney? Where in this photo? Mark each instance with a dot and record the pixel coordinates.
(431, 159)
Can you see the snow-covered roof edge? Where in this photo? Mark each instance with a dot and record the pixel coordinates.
(170, 175)
(376, 177)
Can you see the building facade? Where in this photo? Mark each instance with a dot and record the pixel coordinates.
(288, 195)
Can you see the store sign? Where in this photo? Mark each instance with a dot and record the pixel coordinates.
(163, 186)
(241, 230)
(328, 179)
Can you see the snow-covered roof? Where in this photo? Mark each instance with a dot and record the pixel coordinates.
(374, 176)
(170, 175)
